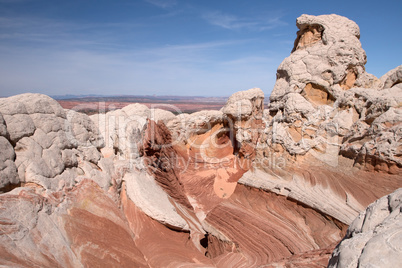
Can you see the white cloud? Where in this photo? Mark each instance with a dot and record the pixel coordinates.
(181, 69)
(13, 1)
(55, 57)
(32, 31)
(232, 22)
(162, 3)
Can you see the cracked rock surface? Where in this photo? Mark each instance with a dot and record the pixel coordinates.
(374, 239)
(244, 186)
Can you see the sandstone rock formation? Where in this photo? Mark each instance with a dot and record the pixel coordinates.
(374, 237)
(329, 122)
(73, 228)
(239, 187)
(324, 100)
(46, 145)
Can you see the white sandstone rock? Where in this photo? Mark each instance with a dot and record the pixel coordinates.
(146, 194)
(49, 146)
(241, 104)
(8, 170)
(392, 77)
(321, 97)
(374, 239)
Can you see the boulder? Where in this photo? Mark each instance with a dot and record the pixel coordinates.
(392, 78)
(244, 104)
(3, 127)
(327, 52)
(44, 144)
(8, 170)
(122, 130)
(374, 239)
(244, 112)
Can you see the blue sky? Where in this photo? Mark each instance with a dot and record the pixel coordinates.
(170, 47)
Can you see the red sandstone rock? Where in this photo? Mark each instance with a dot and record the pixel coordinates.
(239, 187)
(265, 227)
(161, 246)
(83, 227)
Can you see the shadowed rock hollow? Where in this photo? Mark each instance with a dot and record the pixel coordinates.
(239, 187)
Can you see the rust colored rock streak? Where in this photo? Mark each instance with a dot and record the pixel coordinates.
(343, 180)
(23, 238)
(159, 157)
(162, 247)
(265, 227)
(209, 170)
(204, 169)
(308, 36)
(80, 228)
(317, 95)
(312, 259)
(98, 232)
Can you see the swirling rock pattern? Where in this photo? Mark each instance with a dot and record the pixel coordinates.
(336, 191)
(77, 228)
(276, 227)
(239, 187)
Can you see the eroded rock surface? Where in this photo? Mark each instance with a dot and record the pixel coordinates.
(75, 228)
(45, 145)
(328, 121)
(250, 221)
(324, 100)
(374, 239)
(239, 187)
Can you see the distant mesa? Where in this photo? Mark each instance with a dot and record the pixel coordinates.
(176, 104)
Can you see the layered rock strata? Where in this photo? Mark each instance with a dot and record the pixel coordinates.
(330, 124)
(72, 228)
(239, 187)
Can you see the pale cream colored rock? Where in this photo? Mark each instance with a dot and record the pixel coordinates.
(83, 130)
(186, 125)
(295, 103)
(8, 170)
(3, 127)
(392, 78)
(374, 239)
(31, 103)
(336, 58)
(320, 99)
(19, 126)
(161, 115)
(49, 144)
(377, 133)
(122, 129)
(136, 109)
(240, 104)
(316, 196)
(92, 171)
(146, 194)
